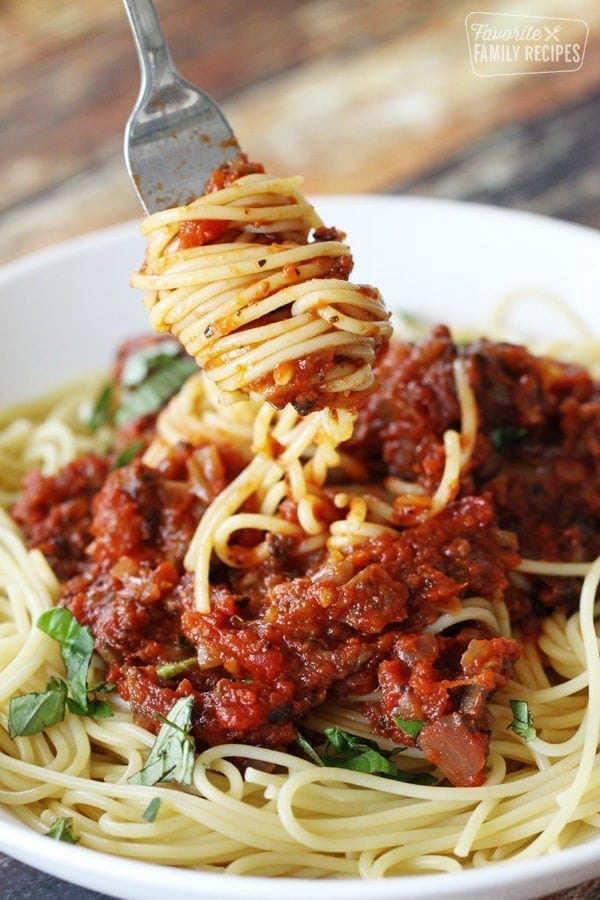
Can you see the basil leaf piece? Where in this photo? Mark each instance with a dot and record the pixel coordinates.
(102, 410)
(140, 364)
(62, 830)
(308, 749)
(506, 437)
(151, 810)
(128, 454)
(522, 723)
(169, 670)
(411, 727)
(94, 709)
(360, 755)
(172, 755)
(347, 744)
(103, 687)
(423, 778)
(154, 392)
(369, 761)
(375, 762)
(76, 648)
(31, 713)
(99, 709)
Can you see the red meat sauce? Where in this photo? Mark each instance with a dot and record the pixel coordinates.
(536, 458)
(285, 636)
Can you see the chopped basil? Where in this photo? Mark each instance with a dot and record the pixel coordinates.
(94, 709)
(360, 755)
(169, 670)
(156, 389)
(102, 410)
(308, 750)
(148, 379)
(347, 744)
(411, 727)
(370, 761)
(103, 687)
(128, 454)
(62, 830)
(506, 437)
(31, 713)
(522, 723)
(151, 810)
(140, 364)
(76, 648)
(172, 755)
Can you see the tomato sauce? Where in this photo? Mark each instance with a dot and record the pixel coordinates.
(536, 457)
(196, 232)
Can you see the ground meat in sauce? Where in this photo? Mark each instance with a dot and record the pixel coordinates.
(536, 458)
(55, 512)
(285, 636)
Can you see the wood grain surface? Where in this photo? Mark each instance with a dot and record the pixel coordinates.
(377, 95)
(357, 95)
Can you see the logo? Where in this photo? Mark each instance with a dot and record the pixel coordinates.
(511, 44)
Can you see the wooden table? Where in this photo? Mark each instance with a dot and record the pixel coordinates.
(377, 95)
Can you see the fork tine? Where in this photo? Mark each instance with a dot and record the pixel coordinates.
(176, 134)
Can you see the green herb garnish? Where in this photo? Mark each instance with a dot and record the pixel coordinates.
(172, 755)
(169, 670)
(156, 389)
(103, 687)
(411, 727)
(128, 454)
(506, 437)
(102, 410)
(151, 810)
(522, 723)
(76, 648)
(94, 709)
(31, 713)
(148, 379)
(308, 749)
(348, 751)
(62, 830)
(139, 365)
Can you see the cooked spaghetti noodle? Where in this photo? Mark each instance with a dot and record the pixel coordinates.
(263, 310)
(298, 819)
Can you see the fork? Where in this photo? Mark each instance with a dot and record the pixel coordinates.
(176, 134)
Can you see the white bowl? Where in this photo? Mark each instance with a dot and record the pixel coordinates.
(64, 310)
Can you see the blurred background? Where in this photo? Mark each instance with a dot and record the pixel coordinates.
(356, 95)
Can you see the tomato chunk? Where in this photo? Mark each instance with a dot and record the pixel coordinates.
(201, 231)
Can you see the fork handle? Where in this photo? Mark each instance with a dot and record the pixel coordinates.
(155, 60)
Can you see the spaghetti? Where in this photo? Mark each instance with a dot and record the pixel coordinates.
(298, 819)
(265, 312)
(356, 572)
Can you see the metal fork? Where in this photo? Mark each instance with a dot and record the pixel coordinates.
(176, 134)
